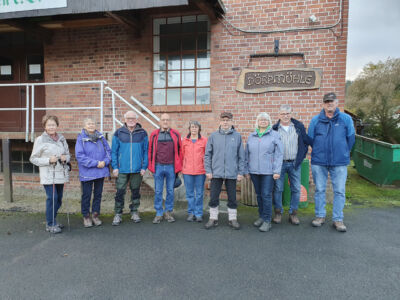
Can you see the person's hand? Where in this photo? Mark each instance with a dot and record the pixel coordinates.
(53, 159)
(63, 158)
(142, 172)
(209, 176)
(101, 164)
(247, 176)
(115, 172)
(276, 176)
(239, 177)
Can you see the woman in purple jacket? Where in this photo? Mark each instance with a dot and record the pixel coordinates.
(93, 155)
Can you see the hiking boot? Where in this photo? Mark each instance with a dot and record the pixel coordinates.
(278, 217)
(234, 224)
(87, 222)
(117, 220)
(169, 217)
(318, 222)
(339, 226)
(135, 217)
(191, 218)
(211, 223)
(53, 229)
(258, 222)
(199, 219)
(265, 226)
(293, 218)
(157, 219)
(96, 220)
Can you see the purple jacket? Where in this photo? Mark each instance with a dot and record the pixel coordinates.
(88, 154)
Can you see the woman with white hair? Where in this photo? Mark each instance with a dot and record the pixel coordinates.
(93, 155)
(264, 155)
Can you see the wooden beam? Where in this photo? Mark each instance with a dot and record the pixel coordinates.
(128, 22)
(207, 9)
(32, 29)
(7, 174)
(81, 23)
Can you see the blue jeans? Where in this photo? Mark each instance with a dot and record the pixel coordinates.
(194, 185)
(294, 176)
(166, 172)
(338, 178)
(96, 186)
(264, 185)
(58, 194)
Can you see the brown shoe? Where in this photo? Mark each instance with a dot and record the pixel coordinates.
(157, 219)
(339, 226)
(87, 222)
(96, 220)
(278, 217)
(211, 223)
(318, 222)
(169, 217)
(293, 218)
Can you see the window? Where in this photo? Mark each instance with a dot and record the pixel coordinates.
(20, 163)
(181, 60)
(6, 68)
(34, 67)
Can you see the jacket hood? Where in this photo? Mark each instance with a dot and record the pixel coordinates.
(85, 136)
(138, 127)
(46, 137)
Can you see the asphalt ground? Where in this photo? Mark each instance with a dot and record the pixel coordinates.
(182, 260)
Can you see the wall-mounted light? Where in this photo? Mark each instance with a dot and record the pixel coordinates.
(313, 19)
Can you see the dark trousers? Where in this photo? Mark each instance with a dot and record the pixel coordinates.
(215, 191)
(55, 191)
(134, 180)
(96, 186)
(264, 185)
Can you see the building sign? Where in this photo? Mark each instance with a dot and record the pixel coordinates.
(22, 5)
(261, 81)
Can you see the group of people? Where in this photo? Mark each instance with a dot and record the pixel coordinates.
(271, 151)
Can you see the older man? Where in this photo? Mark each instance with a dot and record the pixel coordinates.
(333, 136)
(295, 145)
(129, 163)
(165, 161)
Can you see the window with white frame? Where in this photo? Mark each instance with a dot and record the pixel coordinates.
(181, 60)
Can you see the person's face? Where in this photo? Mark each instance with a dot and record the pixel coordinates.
(130, 120)
(50, 127)
(263, 123)
(225, 123)
(330, 106)
(90, 126)
(194, 130)
(285, 117)
(165, 122)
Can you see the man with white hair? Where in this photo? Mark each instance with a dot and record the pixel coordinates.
(129, 163)
(295, 147)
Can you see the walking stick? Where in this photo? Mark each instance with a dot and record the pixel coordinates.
(66, 200)
(54, 187)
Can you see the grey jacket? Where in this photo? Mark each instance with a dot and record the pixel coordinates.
(43, 148)
(224, 156)
(264, 155)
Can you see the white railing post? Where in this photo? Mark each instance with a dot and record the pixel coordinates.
(113, 111)
(145, 108)
(27, 114)
(33, 114)
(101, 105)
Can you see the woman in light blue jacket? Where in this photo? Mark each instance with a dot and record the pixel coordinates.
(264, 155)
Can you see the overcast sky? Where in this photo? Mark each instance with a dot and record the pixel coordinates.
(374, 33)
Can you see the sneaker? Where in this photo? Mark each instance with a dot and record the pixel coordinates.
(265, 226)
(87, 222)
(258, 222)
(136, 217)
(293, 219)
(318, 222)
(211, 223)
(117, 220)
(199, 219)
(169, 217)
(190, 218)
(339, 226)
(96, 220)
(60, 225)
(234, 224)
(278, 217)
(53, 229)
(157, 219)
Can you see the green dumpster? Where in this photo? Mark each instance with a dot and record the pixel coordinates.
(377, 161)
(305, 174)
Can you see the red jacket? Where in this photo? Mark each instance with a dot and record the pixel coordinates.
(177, 150)
(193, 156)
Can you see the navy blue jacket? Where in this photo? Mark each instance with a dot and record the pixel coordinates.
(303, 140)
(332, 139)
(129, 150)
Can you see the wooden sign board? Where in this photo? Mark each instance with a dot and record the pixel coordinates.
(261, 81)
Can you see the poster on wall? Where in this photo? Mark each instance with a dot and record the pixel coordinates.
(7, 6)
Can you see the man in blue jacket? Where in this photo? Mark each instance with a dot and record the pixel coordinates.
(333, 136)
(129, 163)
(295, 145)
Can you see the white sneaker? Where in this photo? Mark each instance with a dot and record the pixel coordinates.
(117, 220)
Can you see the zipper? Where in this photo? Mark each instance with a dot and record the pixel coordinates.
(130, 156)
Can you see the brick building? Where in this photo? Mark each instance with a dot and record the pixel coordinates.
(178, 56)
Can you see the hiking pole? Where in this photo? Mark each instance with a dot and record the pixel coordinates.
(66, 200)
(54, 190)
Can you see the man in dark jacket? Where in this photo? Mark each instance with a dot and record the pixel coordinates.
(295, 147)
(129, 163)
(333, 136)
(224, 161)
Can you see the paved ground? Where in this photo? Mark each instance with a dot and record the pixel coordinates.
(184, 261)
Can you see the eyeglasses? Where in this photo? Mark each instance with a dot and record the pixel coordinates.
(284, 114)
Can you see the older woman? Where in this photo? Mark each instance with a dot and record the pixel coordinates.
(193, 149)
(50, 153)
(93, 155)
(264, 154)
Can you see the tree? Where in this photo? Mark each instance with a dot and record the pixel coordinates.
(375, 96)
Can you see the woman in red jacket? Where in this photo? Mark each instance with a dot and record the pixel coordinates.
(193, 149)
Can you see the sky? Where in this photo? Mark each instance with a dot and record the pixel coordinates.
(374, 33)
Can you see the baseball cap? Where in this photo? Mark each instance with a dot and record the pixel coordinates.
(226, 115)
(329, 97)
